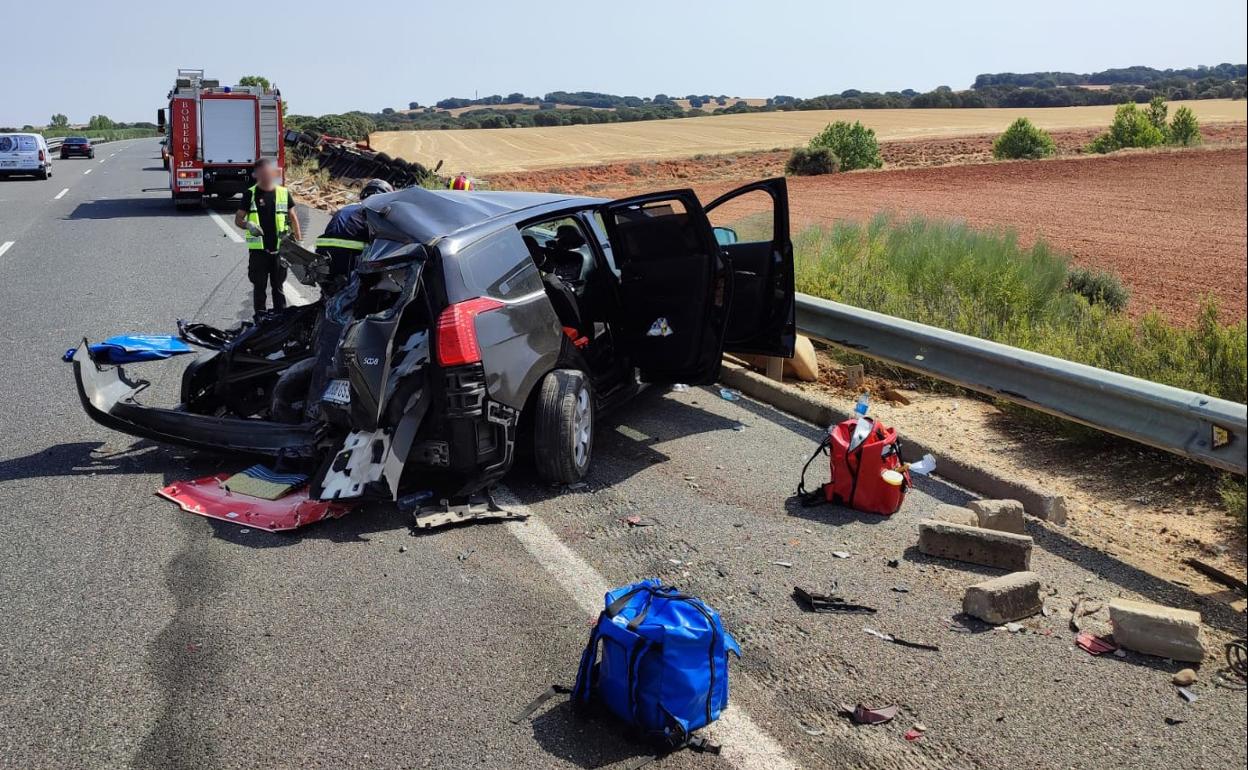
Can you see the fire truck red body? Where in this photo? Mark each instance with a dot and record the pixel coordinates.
(216, 134)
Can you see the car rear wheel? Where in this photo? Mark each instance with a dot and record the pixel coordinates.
(563, 436)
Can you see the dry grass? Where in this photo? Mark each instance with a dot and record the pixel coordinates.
(483, 151)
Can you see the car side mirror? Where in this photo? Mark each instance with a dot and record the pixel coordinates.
(725, 236)
(160, 119)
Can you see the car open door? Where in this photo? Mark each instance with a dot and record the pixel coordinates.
(753, 230)
(674, 288)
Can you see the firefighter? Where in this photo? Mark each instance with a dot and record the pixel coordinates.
(461, 182)
(267, 213)
(347, 235)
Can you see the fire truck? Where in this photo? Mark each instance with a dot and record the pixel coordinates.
(215, 134)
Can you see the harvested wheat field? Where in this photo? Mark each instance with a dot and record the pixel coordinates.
(482, 151)
(1172, 224)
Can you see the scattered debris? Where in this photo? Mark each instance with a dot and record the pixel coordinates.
(637, 521)
(1014, 628)
(913, 735)
(577, 485)
(1184, 678)
(841, 554)
(211, 498)
(1237, 659)
(1004, 599)
(1172, 721)
(403, 549)
(901, 642)
(1094, 645)
(901, 590)
(1212, 572)
(785, 564)
(1187, 694)
(1003, 550)
(1154, 629)
(815, 731)
(863, 715)
(729, 394)
(854, 374)
(894, 563)
(813, 602)
(463, 555)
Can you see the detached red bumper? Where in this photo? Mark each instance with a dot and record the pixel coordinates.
(209, 497)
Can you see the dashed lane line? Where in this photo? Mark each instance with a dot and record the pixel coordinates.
(61, 194)
(745, 745)
(5, 247)
(226, 227)
(88, 171)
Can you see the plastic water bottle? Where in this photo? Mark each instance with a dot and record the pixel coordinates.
(863, 428)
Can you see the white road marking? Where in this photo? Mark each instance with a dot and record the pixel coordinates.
(5, 247)
(111, 155)
(61, 194)
(88, 171)
(297, 294)
(226, 227)
(104, 159)
(745, 745)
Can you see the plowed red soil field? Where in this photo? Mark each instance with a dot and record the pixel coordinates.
(1172, 224)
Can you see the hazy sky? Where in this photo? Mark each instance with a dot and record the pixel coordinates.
(120, 58)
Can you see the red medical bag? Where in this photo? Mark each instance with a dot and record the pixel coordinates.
(858, 475)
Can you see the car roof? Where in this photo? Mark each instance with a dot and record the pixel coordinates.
(76, 139)
(423, 216)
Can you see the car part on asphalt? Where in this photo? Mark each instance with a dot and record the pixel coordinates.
(212, 498)
(475, 508)
(814, 602)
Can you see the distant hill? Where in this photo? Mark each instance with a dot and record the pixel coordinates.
(1002, 89)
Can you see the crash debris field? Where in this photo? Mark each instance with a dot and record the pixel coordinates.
(485, 151)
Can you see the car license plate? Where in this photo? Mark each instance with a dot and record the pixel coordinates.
(338, 391)
(8, 164)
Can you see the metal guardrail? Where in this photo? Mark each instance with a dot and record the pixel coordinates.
(1202, 428)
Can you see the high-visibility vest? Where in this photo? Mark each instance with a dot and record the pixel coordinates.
(328, 242)
(281, 205)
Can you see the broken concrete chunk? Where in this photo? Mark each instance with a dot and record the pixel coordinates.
(1055, 510)
(1004, 599)
(956, 514)
(990, 548)
(1155, 629)
(1001, 515)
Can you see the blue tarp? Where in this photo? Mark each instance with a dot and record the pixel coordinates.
(129, 348)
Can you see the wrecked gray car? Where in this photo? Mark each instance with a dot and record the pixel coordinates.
(475, 325)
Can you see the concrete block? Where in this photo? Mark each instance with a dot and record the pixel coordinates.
(1155, 629)
(1002, 599)
(956, 514)
(988, 547)
(1001, 515)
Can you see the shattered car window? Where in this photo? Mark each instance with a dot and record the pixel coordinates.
(499, 266)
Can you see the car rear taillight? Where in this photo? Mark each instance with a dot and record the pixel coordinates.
(457, 331)
(42, 156)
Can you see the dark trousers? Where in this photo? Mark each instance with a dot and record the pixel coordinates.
(264, 267)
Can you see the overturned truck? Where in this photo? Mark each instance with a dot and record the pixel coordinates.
(473, 325)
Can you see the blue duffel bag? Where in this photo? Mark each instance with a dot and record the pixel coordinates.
(664, 661)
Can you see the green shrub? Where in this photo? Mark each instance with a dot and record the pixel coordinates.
(1098, 287)
(985, 284)
(1131, 128)
(854, 145)
(812, 161)
(1156, 112)
(1184, 128)
(1234, 496)
(1023, 140)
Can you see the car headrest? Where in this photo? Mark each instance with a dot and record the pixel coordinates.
(569, 237)
(535, 249)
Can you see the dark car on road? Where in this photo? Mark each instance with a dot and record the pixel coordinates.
(77, 145)
(478, 325)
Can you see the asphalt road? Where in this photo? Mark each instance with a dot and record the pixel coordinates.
(135, 635)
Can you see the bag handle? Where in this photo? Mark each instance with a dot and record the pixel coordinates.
(822, 449)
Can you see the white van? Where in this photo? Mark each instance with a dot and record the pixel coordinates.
(25, 154)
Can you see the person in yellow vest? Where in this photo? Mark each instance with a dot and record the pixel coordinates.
(461, 182)
(267, 214)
